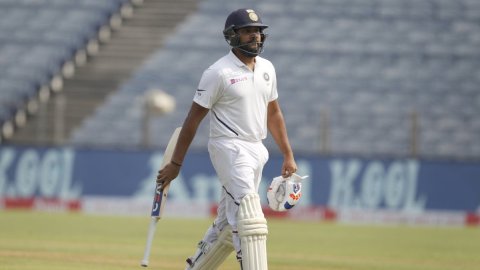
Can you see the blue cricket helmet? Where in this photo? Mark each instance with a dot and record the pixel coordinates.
(242, 18)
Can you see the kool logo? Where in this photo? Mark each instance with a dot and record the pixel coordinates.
(29, 173)
(373, 185)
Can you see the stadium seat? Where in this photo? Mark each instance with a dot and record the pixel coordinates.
(39, 38)
(369, 64)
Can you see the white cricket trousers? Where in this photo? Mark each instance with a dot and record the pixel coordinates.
(239, 165)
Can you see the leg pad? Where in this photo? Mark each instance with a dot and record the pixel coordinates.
(210, 256)
(252, 230)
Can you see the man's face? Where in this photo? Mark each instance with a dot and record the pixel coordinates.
(250, 34)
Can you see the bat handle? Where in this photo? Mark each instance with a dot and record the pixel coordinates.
(159, 187)
(148, 246)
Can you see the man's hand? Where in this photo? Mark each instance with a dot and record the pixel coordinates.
(289, 166)
(167, 174)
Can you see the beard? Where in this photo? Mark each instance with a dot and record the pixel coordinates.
(251, 50)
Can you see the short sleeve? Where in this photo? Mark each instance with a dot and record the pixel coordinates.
(274, 92)
(209, 89)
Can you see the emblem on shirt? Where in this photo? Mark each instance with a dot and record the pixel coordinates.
(200, 90)
(266, 76)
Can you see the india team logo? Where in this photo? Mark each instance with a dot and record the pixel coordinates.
(266, 76)
(252, 15)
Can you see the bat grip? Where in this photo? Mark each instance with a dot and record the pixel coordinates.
(159, 187)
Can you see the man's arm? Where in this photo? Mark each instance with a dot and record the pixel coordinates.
(185, 138)
(276, 126)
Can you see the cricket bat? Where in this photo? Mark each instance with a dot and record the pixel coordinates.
(160, 197)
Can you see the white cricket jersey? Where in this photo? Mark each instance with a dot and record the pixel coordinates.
(237, 97)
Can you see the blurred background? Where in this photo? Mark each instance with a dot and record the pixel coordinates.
(381, 100)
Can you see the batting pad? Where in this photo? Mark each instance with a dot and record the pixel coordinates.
(211, 256)
(252, 230)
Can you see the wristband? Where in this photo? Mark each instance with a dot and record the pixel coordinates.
(176, 163)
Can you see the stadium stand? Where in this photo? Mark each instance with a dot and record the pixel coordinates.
(133, 31)
(41, 42)
(371, 78)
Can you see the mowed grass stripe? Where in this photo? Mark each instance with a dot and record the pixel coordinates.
(41, 241)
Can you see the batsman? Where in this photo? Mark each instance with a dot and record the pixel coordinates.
(240, 92)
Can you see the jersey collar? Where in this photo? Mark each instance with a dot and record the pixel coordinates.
(235, 59)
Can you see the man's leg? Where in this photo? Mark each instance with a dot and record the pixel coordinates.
(209, 256)
(216, 244)
(244, 212)
(239, 166)
(252, 232)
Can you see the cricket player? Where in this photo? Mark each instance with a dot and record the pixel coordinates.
(240, 92)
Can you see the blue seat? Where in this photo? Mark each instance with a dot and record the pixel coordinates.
(376, 62)
(17, 91)
(37, 38)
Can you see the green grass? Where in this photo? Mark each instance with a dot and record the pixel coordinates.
(41, 241)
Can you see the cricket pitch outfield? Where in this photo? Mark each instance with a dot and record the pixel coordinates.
(73, 241)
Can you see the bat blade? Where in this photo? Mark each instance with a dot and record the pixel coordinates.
(159, 198)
